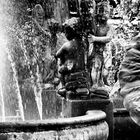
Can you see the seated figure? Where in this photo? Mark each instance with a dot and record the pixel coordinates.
(72, 58)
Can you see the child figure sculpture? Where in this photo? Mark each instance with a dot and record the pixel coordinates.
(71, 55)
(100, 39)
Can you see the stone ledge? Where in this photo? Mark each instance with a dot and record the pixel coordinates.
(99, 131)
(89, 126)
(52, 124)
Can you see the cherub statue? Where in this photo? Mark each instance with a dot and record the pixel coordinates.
(72, 57)
(38, 18)
(99, 41)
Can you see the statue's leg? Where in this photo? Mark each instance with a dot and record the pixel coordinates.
(94, 76)
(105, 75)
(107, 68)
(62, 79)
(100, 73)
(95, 73)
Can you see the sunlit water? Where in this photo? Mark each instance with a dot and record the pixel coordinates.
(5, 21)
(2, 44)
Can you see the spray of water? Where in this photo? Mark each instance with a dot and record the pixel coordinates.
(2, 104)
(2, 43)
(37, 92)
(36, 85)
(6, 19)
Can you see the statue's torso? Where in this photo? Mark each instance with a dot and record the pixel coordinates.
(101, 31)
(74, 53)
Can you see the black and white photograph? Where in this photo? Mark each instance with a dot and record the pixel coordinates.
(69, 69)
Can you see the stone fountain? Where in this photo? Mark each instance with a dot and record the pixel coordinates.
(71, 112)
(82, 127)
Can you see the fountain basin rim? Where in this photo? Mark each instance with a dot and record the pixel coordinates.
(120, 112)
(95, 116)
(52, 124)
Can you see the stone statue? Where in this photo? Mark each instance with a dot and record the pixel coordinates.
(38, 14)
(129, 79)
(99, 41)
(72, 58)
(38, 18)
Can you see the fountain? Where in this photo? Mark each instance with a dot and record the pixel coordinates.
(37, 110)
(82, 127)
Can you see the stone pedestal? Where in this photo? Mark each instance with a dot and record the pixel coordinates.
(72, 108)
(124, 127)
(51, 104)
(55, 106)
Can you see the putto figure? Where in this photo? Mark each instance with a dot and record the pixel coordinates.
(72, 58)
(99, 41)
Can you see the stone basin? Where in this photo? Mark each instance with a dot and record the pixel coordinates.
(86, 127)
(124, 127)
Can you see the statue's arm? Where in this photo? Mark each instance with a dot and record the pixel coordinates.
(103, 39)
(60, 52)
(65, 47)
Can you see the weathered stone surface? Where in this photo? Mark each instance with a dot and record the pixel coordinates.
(72, 108)
(86, 127)
(48, 104)
(124, 127)
(51, 104)
(98, 131)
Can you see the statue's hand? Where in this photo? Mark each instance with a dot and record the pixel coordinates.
(91, 38)
(70, 65)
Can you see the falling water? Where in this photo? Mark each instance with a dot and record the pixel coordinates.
(37, 92)
(2, 44)
(17, 85)
(36, 86)
(2, 104)
(5, 20)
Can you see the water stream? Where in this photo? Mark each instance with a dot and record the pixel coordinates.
(2, 105)
(25, 67)
(5, 21)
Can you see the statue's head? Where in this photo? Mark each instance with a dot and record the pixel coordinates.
(103, 10)
(39, 14)
(87, 11)
(134, 6)
(72, 28)
(87, 7)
